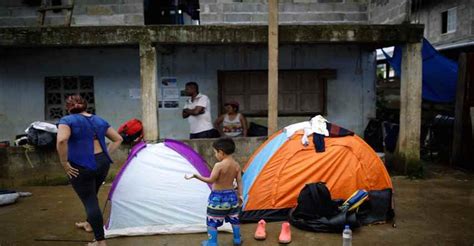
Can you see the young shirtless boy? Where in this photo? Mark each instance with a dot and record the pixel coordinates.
(224, 201)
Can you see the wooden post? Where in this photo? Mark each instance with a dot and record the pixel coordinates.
(462, 131)
(149, 100)
(272, 66)
(68, 15)
(410, 106)
(41, 14)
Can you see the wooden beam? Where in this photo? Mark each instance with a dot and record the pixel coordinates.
(272, 66)
(68, 15)
(410, 106)
(149, 99)
(462, 131)
(43, 9)
(41, 14)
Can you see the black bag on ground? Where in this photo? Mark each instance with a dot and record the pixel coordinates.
(41, 139)
(316, 211)
(256, 130)
(373, 135)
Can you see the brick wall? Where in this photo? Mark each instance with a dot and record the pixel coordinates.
(85, 13)
(290, 11)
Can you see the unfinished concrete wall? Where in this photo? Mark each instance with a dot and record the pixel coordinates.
(389, 11)
(45, 169)
(290, 11)
(85, 13)
(22, 72)
(350, 97)
(430, 15)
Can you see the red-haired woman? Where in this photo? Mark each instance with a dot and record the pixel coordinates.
(85, 157)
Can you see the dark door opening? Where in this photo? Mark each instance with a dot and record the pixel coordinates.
(171, 12)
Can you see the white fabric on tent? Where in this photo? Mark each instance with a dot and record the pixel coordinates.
(152, 196)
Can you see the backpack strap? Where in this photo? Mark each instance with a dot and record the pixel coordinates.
(92, 125)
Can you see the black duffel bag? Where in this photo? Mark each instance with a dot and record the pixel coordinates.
(316, 211)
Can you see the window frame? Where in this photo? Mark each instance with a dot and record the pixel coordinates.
(447, 12)
(64, 92)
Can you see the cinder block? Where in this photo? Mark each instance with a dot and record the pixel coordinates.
(359, 17)
(54, 21)
(102, 9)
(80, 9)
(134, 20)
(207, 1)
(349, 7)
(84, 20)
(112, 20)
(330, 1)
(215, 8)
(131, 8)
(23, 12)
(133, 1)
(11, 3)
(10, 21)
(237, 18)
(305, 1)
(260, 18)
(244, 7)
(99, 2)
(319, 17)
(5, 12)
(208, 18)
(282, 18)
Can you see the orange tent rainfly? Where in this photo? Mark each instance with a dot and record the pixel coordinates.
(311, 152)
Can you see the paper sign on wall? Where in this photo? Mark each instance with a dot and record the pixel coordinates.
(169, 93)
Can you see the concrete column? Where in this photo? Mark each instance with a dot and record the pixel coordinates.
(410, 107)
(148, 68)
(272, 66)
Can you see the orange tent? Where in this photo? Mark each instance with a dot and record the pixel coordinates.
(280, 168)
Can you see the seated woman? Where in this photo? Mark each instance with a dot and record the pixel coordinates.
(232, 123)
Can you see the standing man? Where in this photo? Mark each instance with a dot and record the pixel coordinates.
(198, 112)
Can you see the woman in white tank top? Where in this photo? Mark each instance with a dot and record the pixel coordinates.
(232, 123)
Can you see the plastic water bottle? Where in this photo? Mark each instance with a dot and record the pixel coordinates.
(347, 236)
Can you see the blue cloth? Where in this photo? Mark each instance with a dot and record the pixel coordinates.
(439, 74)
(84, 129)
(222, 205)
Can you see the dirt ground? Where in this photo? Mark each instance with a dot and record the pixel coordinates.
(438, 210)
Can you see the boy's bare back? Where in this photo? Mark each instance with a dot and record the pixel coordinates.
(227, 170)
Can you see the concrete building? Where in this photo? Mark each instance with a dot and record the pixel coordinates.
(327, 61)
(449, 25)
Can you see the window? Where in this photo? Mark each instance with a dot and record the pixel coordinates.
(385, 71)
(174, 12)
(58, 88)
(301, 92)
(448, 21)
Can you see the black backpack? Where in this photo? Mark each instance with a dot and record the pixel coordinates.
(41, 139)
(316, 211)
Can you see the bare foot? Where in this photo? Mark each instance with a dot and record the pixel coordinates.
(98, 243)
(84, 225)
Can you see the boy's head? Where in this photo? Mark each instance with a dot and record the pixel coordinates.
(223, 147)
